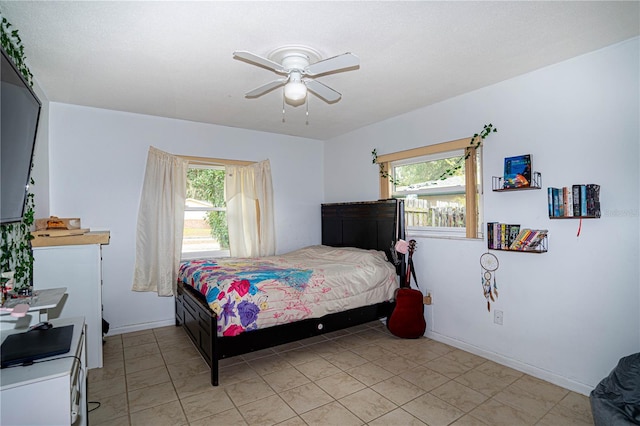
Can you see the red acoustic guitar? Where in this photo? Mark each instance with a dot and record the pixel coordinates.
(407, 319)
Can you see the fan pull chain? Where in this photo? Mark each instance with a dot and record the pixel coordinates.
(283, 106)
(307, 103)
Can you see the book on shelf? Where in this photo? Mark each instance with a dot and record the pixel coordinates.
(583, 200)
(555, 202)
(575, 193)
(593, 200)
(568, 201)
(502, 234)
(520, 239)
(517, 171)
(576, 201)
(492, 235)
(536, 240)
(529, 240)
(513, 231)
(558, 201)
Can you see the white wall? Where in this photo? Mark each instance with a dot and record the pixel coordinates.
(97, 161)
(571, 313)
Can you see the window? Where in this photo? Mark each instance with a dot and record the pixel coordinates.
(441, 195)
(205, 222)
(205, 232)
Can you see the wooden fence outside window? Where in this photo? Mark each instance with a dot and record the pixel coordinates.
(418, 213)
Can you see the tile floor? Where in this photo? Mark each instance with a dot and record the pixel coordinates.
(359, 376)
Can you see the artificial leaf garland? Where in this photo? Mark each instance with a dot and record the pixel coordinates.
(15, 243)
(476, 142)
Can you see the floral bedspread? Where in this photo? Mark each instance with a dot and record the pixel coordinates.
(248, 294)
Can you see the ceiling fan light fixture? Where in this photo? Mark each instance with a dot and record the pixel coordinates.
(295, 91)
(299, 65)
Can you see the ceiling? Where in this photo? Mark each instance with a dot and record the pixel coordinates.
(174, 58)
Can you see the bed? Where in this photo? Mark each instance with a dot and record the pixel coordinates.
(311, 291)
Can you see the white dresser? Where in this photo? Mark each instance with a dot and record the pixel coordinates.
(49, 392)
(78, 267)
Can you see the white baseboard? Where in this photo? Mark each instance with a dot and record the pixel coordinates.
(138, 327)
(534, 371)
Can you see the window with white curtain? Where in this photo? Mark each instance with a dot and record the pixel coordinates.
(205, 232)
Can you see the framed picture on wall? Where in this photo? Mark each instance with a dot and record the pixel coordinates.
(517, 171)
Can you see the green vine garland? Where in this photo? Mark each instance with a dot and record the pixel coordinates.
(12, 44)
(476, 142)
(15, 245)
(383, 173)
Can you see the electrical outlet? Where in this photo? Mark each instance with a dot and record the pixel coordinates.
(428, 297)
(497, 317)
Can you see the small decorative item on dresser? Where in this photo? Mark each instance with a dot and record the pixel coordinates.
(54, 222)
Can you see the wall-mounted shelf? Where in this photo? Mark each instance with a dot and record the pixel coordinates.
(541, 248)
(507, 237)
(574, 217)
(574, 202)
(498, 183)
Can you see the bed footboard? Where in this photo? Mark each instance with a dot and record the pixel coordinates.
(200, 323)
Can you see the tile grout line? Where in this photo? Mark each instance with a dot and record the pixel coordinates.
(184, 412)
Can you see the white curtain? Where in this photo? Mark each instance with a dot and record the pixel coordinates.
(249, 197)
(160, 223)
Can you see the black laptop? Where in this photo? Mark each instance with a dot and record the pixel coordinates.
(35, 344)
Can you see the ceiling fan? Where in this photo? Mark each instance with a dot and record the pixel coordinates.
(299, 65)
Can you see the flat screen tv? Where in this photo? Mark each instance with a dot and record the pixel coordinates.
(19, 114)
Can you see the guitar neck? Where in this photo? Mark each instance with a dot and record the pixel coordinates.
(412, 247)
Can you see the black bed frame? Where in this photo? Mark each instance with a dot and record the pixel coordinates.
(368, 225)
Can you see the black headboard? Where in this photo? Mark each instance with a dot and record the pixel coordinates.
(368, 225)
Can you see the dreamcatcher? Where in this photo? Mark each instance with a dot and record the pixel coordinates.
(489, 263)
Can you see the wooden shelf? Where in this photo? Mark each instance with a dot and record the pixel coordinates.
(577, 198)
(516, 189)
(574, 217)
(536, 239)
(94, 237)
(537, 251)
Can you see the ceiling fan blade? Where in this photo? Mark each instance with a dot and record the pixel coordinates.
(258, 60)
(259, 91)
(322, 91)
(340, 62)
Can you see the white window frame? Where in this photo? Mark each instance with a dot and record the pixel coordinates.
(472, 230)
(450, 231)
